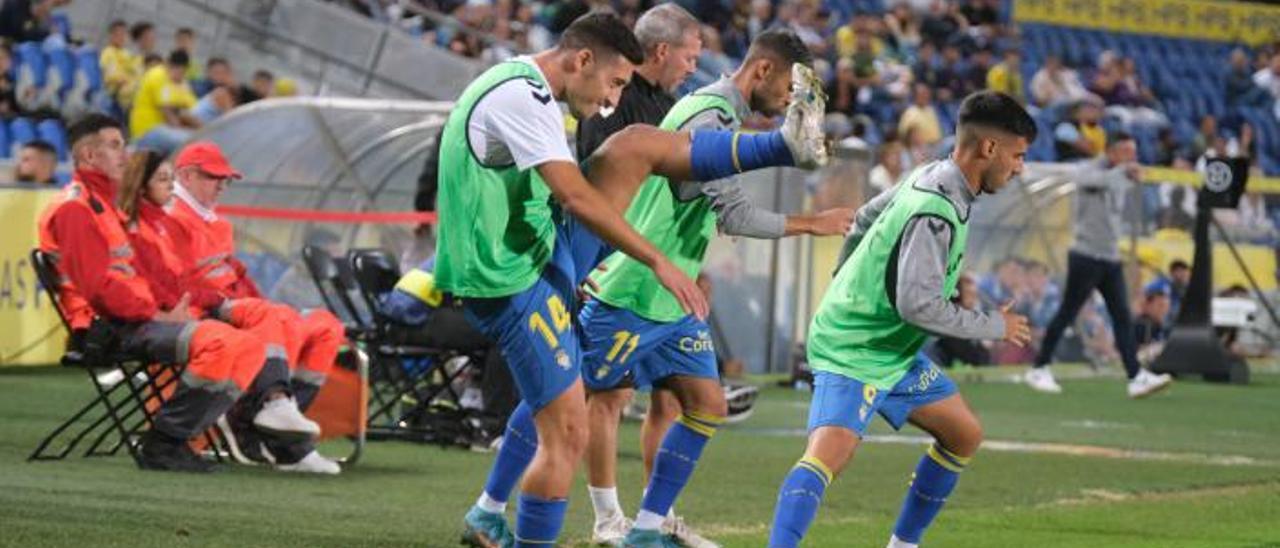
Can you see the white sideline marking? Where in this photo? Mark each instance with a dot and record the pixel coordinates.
(1058, 449)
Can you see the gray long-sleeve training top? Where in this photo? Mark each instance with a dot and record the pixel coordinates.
(922, 258)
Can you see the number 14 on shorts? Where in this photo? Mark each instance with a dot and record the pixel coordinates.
(560, 320)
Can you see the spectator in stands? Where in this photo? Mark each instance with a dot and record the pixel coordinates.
(976, 69)
(121, 68)
(185, 39)
(1081, 136)
(9, 106)
(1097, 338)
(1006, 77)
(1055, 85)
(1174, 284)
(927, 69)
(284, 87)
(160, 117)
(904, 29)
(1042, 297)
(144, 38)
(951, 73)
(889, 167)
(1167, 147)
(922, 117)
(1006, 284)
(1174, 214)
(1205, 137)
(847, 36)
(918, 150)
(225, 94)
(943, 22)
(264, 83)
(946, 351)
(809, 25)
(1126, 98)
(1239, 86)
(1269, 78)
(984, 14)
(37, 161)
(27, 20)
(1149, 328)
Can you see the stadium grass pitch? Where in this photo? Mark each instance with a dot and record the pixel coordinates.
(1198, 466)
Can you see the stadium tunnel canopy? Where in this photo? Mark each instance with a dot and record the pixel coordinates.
(330, 154)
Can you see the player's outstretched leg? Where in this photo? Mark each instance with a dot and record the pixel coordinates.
(628, 157)
(958, 434)
(486, 523)
(704, 411)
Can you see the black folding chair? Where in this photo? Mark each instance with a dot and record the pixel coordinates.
(335, 283)
(435, 413)
(122, 408)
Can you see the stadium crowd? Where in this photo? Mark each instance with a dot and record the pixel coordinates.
(49, 77)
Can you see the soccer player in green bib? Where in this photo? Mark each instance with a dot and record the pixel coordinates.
(634, 333)
(892, 291)
(520, 228)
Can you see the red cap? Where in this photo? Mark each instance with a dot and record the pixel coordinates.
(208, 157)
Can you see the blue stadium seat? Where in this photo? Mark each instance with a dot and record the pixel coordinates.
(63, 67)
(62, 24)
(4, 141)
(87, 65)
(21, 131)
(29, 56)
(51, 131)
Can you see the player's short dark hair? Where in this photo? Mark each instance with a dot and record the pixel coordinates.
(179, 58)
(603, 33)
(140, 29)
(89, 126)
(995, 110)
(1178, 264)
(188, 31)
(118, 23)
(263, 75)
(782, 44)
(215, 61)
(41, 145)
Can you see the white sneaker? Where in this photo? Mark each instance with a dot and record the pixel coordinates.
(895, 542)
(282, 417)
(676, 527)
(313, 463)
(1148, 383)
(802, 129)
(610, 531)
(1041, 380)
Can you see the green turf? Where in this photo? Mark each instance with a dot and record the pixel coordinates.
(404, 494)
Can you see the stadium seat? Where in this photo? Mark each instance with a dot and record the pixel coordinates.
(32, 73)
(21, 132)
(4, 141)
(52, 132)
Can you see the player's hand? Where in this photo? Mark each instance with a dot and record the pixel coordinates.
(833, 222)
(180, 312)
(685, 290)
(1016, 328)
